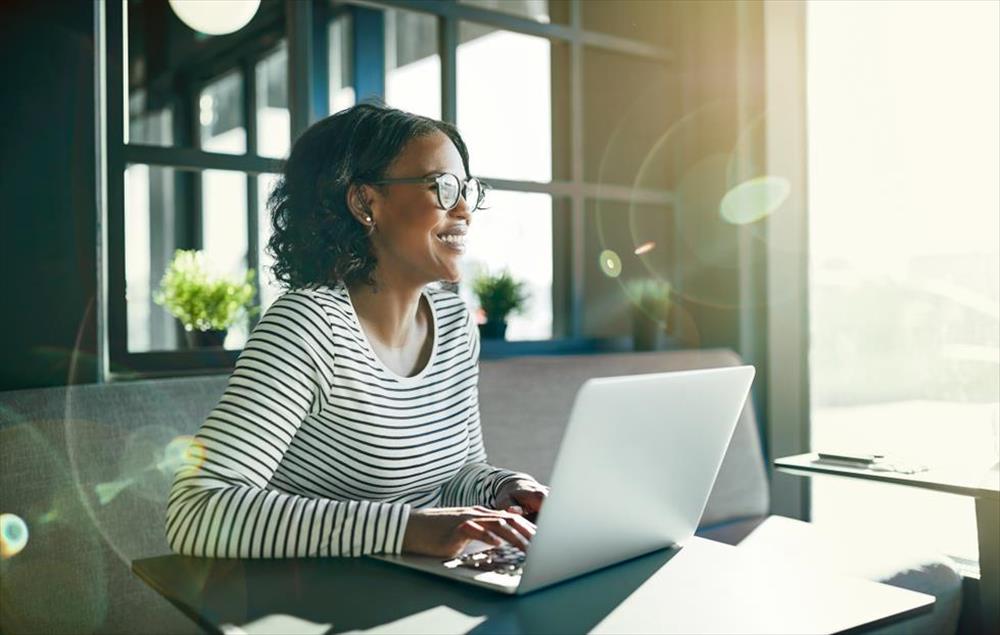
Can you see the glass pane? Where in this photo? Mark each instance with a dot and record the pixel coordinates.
(506, 81)
(224, 233)
(273, 124)
(632, 122)
(150, 240)
(268, 288)
(524, 220)
(904, 261)
(167, 64)
(147, 126)
(220, 113)
(340, 63)
(623, 244)
(151, 101)
(412, 63)
(639, 20)
(540, 10)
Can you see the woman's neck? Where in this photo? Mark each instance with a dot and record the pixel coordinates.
(391, 313)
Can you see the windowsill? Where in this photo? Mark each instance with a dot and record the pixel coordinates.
(163, 364)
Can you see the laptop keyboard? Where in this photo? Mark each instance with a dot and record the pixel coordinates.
(505, 559)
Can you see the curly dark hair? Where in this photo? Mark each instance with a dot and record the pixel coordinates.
(315, 239)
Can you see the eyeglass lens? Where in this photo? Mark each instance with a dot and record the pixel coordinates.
(449, 187)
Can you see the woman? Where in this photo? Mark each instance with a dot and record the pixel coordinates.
(350, 424)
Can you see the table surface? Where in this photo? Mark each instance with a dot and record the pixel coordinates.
(977, 483)
(703, 587)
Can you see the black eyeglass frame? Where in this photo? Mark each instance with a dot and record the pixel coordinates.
(463, 187)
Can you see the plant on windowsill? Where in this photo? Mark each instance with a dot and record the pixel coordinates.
(498, 296)
(205, 303)
(650, 306)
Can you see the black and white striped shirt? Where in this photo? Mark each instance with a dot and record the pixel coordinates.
(316, 448)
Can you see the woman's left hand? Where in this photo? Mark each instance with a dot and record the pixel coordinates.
(522, 496)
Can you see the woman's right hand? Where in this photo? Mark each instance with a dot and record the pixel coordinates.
(444, 531)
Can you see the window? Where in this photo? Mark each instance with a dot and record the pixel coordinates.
(904, 259)
(209, 118)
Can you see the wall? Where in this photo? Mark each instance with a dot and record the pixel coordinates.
(47, 189)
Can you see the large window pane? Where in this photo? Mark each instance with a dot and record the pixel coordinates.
(904, 260)
(167, 64)
(505, 102)
(412, 63)
(340, 63)
(150, 239)
(524, 220)
(220, 114)
(273, 124)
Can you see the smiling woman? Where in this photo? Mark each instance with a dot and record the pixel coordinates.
(351, 422)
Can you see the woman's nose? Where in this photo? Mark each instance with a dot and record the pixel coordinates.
(462, 209)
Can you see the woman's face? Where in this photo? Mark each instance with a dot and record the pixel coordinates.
(408, 220)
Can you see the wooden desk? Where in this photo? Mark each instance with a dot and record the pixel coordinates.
(705, 587)
(983, 485)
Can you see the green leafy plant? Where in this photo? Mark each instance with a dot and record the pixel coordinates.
(650, 296)
(201, 300)
(499, 295)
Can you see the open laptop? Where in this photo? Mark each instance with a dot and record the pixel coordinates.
(636, 465)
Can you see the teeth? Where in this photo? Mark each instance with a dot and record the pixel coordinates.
(453, 239)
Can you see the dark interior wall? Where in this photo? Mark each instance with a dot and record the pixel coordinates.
(47, 188)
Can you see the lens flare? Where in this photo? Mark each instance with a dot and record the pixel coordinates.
(645, 247)
(754, 199)
(13, 535)
(610, 263)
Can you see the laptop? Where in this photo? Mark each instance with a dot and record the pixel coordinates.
(635, 467)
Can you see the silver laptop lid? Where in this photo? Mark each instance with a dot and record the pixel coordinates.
(636, 465)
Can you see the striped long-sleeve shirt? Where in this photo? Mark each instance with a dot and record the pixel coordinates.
(316, 448)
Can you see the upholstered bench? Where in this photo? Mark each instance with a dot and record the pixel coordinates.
(87, 468)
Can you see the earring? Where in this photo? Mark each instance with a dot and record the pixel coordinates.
(368, 219)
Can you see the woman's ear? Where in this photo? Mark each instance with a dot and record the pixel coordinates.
(359, 203)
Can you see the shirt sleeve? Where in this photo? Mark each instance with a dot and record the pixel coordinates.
(220, 504)
(477, 482)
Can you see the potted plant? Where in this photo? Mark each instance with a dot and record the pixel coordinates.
(498, 295)
(650, 302)
(206, 304)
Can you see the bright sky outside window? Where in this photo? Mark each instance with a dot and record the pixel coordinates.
(904, 253)
(504, 82)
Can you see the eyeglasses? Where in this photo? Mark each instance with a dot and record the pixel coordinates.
(449, 186)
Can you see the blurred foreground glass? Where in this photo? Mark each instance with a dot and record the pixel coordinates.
(220, 114)
(904, 260)
(505, 102)
(273, 123)
(412, 63)
(515, 233)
